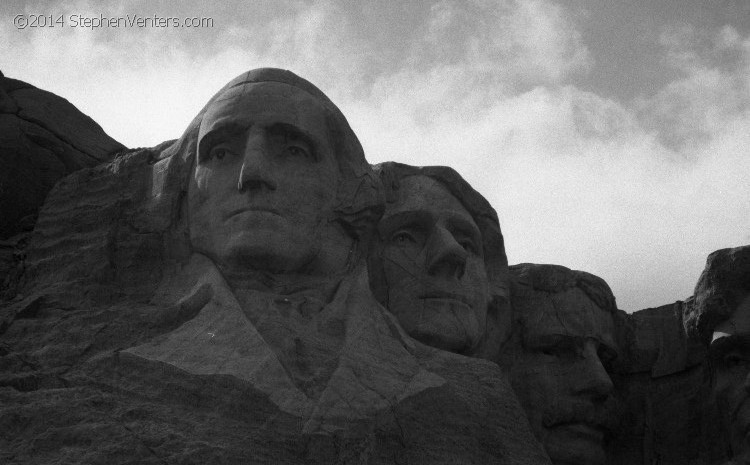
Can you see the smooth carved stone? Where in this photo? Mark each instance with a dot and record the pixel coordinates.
(559, 359)
(43, 137)
(440, 264)
(144, 335)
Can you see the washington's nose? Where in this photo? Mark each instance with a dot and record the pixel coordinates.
(446, 258)
(593, 377)
(255, 173)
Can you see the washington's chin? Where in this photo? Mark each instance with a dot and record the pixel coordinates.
(575, 444)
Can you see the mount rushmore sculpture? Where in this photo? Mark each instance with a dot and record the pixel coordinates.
(256, 292)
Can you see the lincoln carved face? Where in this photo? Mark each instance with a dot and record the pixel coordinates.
(559, 371)
(433, 265)
(730, 361)
(265, 179)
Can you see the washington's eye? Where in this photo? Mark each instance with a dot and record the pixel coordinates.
(299, 151)
(219, 152)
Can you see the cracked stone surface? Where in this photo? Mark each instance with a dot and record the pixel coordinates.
(124, 344)
(43, 137)
(120, 343)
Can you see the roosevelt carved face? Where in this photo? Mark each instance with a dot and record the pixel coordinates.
(433, 265)
(730, 356)
(265, 182)
(559, 374)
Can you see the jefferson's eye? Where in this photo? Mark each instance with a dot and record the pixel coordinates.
(553, 351)
(403, 238)
(468, 245)
(562, 349)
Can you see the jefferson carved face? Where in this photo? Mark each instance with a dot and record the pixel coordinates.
(730, 356)
(559, 374)
(265, 180)
(433, 265)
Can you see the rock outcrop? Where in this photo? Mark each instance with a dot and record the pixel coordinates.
(43, 137)
(661, 385)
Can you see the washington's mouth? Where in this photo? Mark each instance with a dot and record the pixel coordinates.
(443, 295)
(242, 210)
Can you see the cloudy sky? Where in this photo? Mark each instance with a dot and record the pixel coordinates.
(612, 136)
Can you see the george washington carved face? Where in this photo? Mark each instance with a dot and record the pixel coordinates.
(264, 185)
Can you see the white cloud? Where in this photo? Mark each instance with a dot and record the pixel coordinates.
(713, 91)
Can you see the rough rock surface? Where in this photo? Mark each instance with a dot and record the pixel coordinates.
(661, 384)
(82, 381)
(43, 137)
(122, 344)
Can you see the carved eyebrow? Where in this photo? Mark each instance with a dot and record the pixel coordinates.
(213, 137)
(293, 132)
(415, 218)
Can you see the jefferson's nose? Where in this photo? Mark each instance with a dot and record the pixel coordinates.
(446, 258)
(255, 173)
(593, 378)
